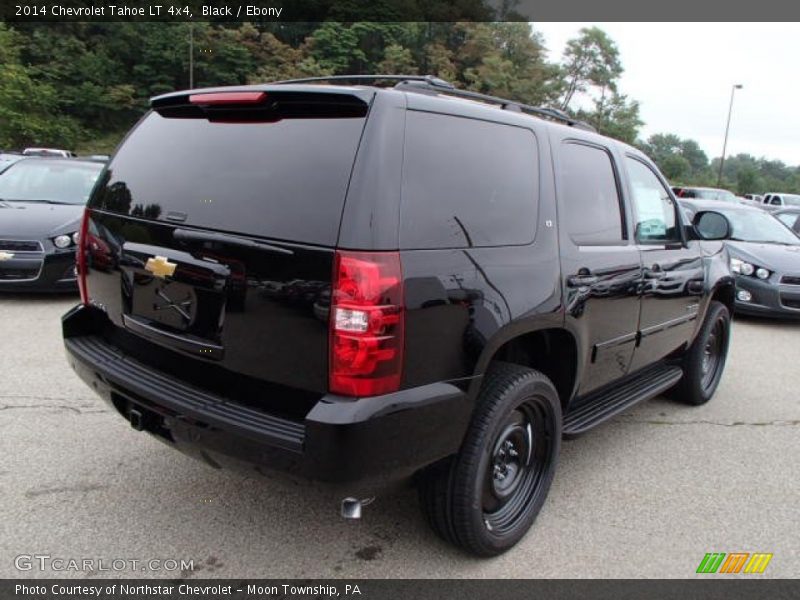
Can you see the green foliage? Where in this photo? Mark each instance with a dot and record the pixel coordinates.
(679, 159)
(684, 163)
(72, 83)
(591, 61)
(615, 117)
(82, 85)
(28, 108)
(747, 174)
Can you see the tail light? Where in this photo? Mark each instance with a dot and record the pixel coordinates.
(81, 258)
(215, 98)
(366, 341)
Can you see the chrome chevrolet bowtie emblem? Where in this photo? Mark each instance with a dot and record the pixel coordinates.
(160, 266)
(6, 255)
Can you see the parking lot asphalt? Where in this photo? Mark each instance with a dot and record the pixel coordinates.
(645, 495)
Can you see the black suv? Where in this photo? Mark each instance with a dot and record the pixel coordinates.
(361, 283)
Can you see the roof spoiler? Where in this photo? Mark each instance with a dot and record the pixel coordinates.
(260, 104)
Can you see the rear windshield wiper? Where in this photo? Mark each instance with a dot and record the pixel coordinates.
(188, 235)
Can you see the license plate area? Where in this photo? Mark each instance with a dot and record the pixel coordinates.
(168, 303)
(183, 308)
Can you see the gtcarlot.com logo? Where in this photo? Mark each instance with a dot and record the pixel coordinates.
(734, 562)
(46, 562)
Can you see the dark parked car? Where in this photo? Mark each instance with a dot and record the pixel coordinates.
(705, 193)
(789, 217)
(765, 256)
(439, 283)
(41, 204)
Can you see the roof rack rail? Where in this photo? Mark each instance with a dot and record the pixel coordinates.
(553, 114)
(428, 79)
(431, 84)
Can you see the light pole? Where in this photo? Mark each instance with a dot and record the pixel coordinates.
(191, 56)
(735, 87)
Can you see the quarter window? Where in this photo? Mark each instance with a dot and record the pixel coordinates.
(467, 183)
(589, 196)
(656, 220)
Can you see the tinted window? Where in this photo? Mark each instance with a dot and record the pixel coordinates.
(285, 179)
(655, 211)
(467, 183)
(776, 201)
(589, 196)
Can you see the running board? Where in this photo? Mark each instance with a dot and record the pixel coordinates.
(605, 405)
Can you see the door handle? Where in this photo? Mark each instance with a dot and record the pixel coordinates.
(581, 280)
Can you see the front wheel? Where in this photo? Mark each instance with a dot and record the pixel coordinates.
(705, 360)
(486, 498)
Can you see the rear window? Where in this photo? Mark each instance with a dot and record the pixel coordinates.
(285, 179)
(467, 183)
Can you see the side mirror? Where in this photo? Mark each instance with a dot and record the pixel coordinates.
(711, 225)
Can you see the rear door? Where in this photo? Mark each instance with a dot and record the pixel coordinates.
(213, 230)
(599, 263)
(673, 274)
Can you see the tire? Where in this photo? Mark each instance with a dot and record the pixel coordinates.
(704, 361)
(487, 497)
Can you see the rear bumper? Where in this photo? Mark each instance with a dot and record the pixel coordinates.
(373, 441)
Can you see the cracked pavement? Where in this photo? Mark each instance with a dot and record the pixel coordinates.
(646, 495)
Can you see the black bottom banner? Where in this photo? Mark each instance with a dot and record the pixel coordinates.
(416, 589)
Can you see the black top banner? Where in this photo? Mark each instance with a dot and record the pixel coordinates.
(397, 10)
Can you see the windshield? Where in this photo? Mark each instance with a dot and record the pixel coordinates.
(39, 180)
(757, 226)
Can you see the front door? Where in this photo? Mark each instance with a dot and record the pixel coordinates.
(673, 275)
(600, 265)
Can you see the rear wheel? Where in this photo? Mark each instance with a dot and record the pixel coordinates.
(704, 362)
(487, 497)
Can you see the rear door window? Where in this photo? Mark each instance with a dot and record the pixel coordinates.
(467, 183)
(590, 200)
(285, 179)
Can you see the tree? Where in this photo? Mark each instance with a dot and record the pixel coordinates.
(28, 108)
(397, 60)
(616, 117)
(748, 181)
(590, 61)
(681, 160)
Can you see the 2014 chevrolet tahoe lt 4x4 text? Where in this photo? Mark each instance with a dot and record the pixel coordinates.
(358, 284)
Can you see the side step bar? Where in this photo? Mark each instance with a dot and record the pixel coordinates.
(607, 404)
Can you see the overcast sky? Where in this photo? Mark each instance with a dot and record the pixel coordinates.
(682, 73)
